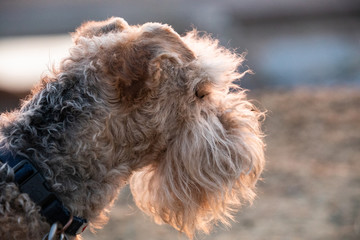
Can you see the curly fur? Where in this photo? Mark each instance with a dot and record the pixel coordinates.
(143, 105)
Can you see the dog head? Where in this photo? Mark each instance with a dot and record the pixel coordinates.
(194, 141)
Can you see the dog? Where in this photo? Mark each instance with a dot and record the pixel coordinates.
(138, 105)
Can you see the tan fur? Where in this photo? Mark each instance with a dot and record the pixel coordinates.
(143, 105)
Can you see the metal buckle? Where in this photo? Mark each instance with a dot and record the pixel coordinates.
(54, 231)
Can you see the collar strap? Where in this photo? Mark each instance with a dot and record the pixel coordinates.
(30, 181)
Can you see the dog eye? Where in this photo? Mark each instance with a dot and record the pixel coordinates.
(200, 94)
(202, 90)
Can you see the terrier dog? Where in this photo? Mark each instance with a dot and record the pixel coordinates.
(130, 104)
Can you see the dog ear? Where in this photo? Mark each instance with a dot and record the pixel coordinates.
(164, 63)
(93, 28)
(135, 68)
(135, 71)
(209, 167)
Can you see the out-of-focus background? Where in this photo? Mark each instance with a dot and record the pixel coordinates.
(306, 59)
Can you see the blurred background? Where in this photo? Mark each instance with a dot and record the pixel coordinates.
(306, 59)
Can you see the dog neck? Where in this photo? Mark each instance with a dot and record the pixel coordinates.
(63, 133)
(31, 182)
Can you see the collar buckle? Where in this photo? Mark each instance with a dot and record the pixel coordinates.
(30, 181)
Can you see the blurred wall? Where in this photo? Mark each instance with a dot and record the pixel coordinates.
(289, 43)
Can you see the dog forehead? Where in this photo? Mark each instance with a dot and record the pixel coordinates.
(158, 30)
(155, 26)
(150, 26)
(164, 38)
(151, 33)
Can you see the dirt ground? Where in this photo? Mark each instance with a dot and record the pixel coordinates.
(311, 185)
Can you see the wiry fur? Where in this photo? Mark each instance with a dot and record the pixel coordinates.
(136, 104)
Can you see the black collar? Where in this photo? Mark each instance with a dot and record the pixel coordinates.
(30, 181)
